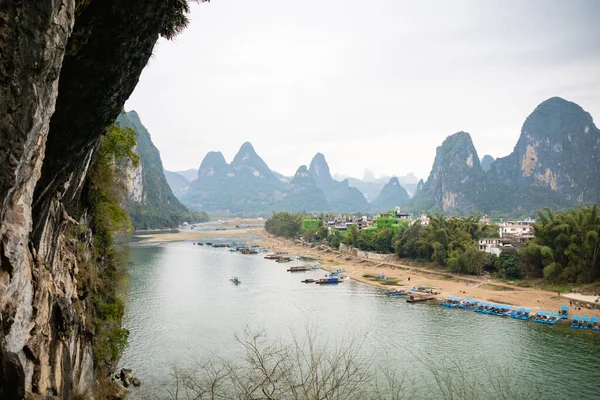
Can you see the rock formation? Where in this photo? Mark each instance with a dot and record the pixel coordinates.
(66, 69)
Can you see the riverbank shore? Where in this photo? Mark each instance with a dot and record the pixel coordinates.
(448, 284)
(407, 275)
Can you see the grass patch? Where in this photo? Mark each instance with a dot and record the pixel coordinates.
(497, 288)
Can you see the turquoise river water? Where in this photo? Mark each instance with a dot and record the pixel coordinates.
(181, 306)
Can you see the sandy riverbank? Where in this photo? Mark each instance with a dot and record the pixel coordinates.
(250, 234)
(458, 286)
(408, 276)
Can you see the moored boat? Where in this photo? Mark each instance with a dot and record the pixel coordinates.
(309, 281)
(451, 302)
(324, 281)
(554, 318)
(235, 280)
(271, 256)
(301, 268)
(584, 323)
(468, 304)
(417, 298)
(575, 321)
(283, 259)
(564, 312)
(594, 324)
(398, 293)
(541, 316)
(482, 307)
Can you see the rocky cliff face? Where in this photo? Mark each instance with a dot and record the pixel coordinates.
(151, 199)
(452, 185)
(66, 69)
(558, 152)
(555, 163)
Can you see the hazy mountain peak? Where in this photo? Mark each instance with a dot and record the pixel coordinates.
(212, 164)
(319, 169)
(368, 176)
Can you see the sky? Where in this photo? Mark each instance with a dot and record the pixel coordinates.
(373, 84)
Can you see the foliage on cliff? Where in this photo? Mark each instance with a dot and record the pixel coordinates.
(105, 191)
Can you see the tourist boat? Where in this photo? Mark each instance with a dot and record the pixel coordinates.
(302, 268)
(564, 312)
(398, 293)
(594, 324)
(235, 280)
(541, 316)
(418, 298)
(575, 321)
(283, 259)
(554, 318)
(316, 267)
(451, 302)
(500, 310)
(309, 281)
(468, 304)
(517, 313)
(271, 256)
(482, 307)
(526, 314)
(584, 323)
(324, 281)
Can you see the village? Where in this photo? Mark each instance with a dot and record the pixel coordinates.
(511, 234)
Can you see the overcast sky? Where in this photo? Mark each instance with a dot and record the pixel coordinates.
(371, 84)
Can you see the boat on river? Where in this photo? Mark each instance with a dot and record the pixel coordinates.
(468, 304)
(398, 293)
(575, 321)
(521, 313)
(594, 324)
(235, 280)
(541, 316)
(418, 298)
(271, 256)
(283, 259)
(564, 312)
(309, 280)
(326, 281)
(451, 302)
(584, 323)
(554, 318)
(301, 268)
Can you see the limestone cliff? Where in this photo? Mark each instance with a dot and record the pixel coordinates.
(66, 69)
(453, 183)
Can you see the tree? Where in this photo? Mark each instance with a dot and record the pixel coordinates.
(352, 236)
(284, 224)
(508, 264)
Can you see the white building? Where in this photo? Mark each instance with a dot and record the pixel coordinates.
(490, 245)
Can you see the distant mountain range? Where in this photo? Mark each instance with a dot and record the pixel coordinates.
(556, 163)
(247, 184)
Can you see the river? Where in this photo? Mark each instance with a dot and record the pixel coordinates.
(181, 306)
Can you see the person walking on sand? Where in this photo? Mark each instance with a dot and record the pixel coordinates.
(409, 278)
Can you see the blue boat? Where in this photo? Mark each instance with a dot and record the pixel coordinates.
(575, 321)
(236, 281)
(482, 307)
(541, 316)
(564, 312)
(554, 318)
(583, 324)
(525, 315)
(452, 302)
(468, 304)
(594, 324)
(517, 313)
